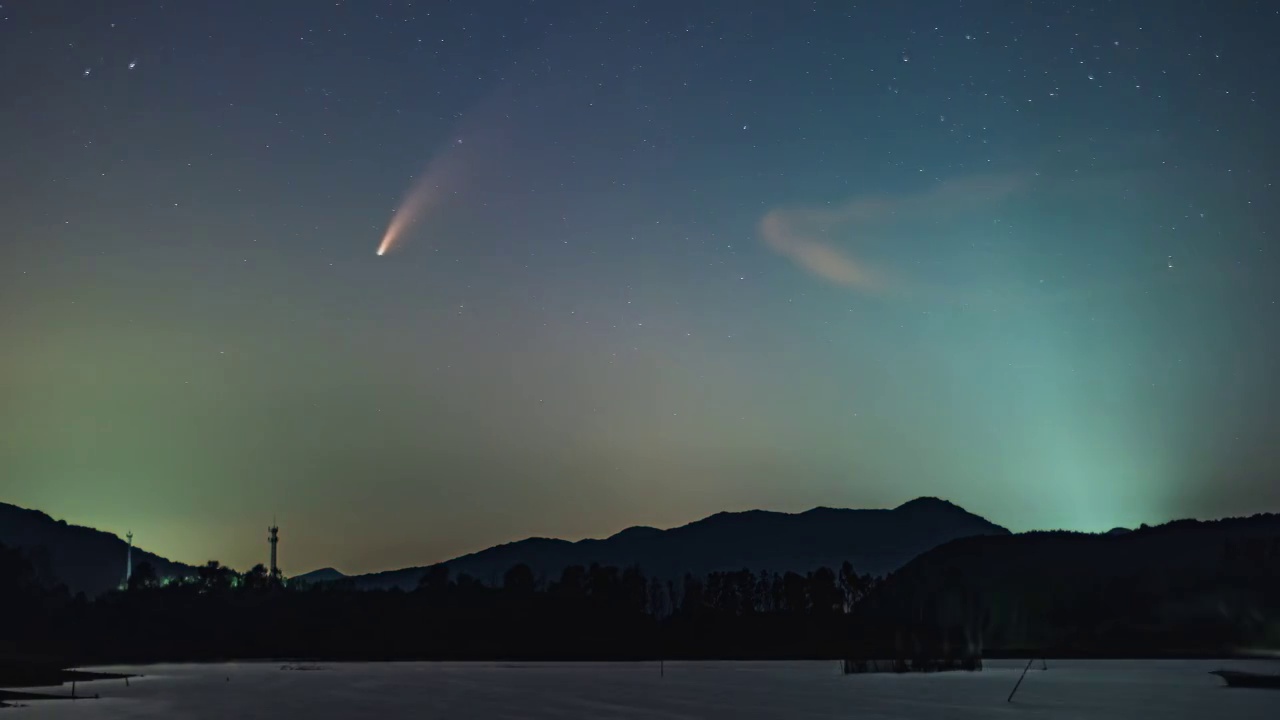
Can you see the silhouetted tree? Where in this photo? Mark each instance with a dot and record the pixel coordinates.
(434, 583)
(632, 590)
(143, 576)
(572, 584)
(658, 606)
(257, 578)
(764, 593)
(795, 592)
(849, 585)
(824, 597)
(693, 601)
(713, 592)
(777, 593)
(518, 580)
(213, 576)
(602, 585)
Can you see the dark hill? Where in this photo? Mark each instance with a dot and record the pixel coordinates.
(318, 576)
(1182, 585)
(86, 560)
(874, 541)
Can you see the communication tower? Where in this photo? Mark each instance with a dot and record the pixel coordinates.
(273, 537)
(128, 558)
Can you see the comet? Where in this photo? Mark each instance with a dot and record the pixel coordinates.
(453, 167)
(422, 197)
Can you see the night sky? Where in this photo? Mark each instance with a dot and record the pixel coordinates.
(654, 260)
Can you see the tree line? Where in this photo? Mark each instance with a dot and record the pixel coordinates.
(588, 612)
(978, 598)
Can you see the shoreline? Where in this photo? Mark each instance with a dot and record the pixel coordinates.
(92, 675)
(17, 675)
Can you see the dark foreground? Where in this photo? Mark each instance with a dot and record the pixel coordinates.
(36, 675)
(1239, 679)
(1048, 594)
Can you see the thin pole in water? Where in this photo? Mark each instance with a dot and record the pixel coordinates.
(1024, 674)
(662, 667)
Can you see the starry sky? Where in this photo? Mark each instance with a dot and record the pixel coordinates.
(652, 260)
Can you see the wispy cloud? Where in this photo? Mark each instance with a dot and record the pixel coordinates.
(781, 232)
(818, 238)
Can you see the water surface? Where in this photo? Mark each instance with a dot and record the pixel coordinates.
(1068, 689)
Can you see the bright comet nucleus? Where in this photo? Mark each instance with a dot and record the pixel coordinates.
(415, 205)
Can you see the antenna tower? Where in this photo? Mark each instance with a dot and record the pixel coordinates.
(273, 537)
(128, 559)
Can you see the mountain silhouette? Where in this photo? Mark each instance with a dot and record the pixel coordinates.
(874, 541)
(86, 560)
(318, 576)
(1180, 582)
(1183, 545)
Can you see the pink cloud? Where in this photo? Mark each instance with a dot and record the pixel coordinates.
(814, 238)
